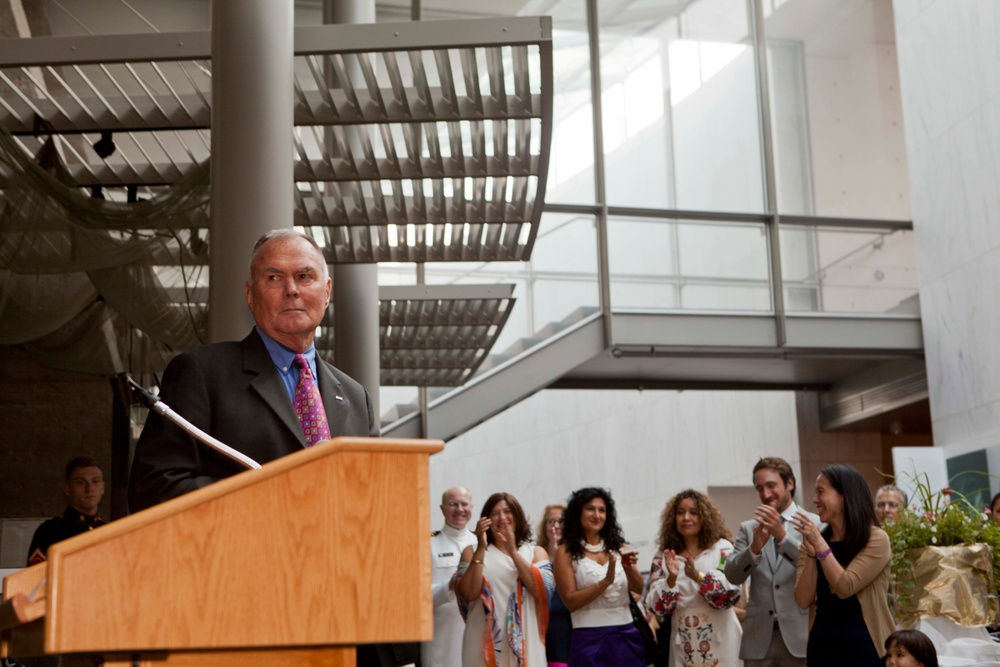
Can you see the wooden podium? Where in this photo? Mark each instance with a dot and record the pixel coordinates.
(293, 564)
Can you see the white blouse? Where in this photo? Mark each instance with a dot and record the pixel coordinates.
(611, 608)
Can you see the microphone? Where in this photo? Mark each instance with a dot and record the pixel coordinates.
(130, 393)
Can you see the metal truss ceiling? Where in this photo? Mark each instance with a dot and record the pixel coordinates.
(435, 335)
(425, 141)
(413, 143)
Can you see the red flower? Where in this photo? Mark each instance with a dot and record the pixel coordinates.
(946, 491)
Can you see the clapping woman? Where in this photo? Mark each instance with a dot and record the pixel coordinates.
(843, 573)
(595, 572)
(686, 580)
(560, 626)
(503, 590)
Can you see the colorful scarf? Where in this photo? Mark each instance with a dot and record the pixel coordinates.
(493, 635)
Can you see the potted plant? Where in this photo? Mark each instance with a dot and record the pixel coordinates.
(945, 560)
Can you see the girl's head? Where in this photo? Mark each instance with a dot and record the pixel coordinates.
(995, 508)
(909, 648)
(591, 509)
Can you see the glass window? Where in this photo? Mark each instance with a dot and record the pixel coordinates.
(558, 285)
(679, 106)
(844, 270)
(571, 167)
(837, 114)
(676, 264)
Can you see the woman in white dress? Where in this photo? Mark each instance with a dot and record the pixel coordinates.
(686, 581)
(596, 573)
(503, 589)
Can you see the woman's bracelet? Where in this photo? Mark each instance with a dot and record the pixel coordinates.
(823, 554)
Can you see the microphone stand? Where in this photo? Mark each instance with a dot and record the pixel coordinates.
(131, 393)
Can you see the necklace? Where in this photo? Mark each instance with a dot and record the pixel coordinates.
(593, 548)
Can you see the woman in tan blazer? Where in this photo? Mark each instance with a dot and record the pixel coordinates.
(843, 573)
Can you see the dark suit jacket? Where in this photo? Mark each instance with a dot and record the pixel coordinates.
(233, 392)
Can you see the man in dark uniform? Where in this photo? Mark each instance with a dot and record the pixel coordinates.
(84, 488)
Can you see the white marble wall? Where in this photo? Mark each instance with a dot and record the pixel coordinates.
(644, 446)
(949, 61)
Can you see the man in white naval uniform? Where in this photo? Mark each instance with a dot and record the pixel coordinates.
(445, 650)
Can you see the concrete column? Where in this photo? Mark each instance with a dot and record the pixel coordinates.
(355, 286)
(252, 123)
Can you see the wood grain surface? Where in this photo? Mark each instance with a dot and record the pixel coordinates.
(324, 547)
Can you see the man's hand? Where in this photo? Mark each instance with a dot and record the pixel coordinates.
(770, 518)
(760, 538)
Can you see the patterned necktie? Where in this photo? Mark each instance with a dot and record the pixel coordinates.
(308, 405)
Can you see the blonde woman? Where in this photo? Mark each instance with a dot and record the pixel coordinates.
(550, 530)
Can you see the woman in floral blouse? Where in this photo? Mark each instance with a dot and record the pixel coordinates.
(687, 582)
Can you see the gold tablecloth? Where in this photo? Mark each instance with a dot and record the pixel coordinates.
(952, 582)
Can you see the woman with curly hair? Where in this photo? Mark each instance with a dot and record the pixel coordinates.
(503, 590)
(595, 574)
(560, 626)
(686, 581)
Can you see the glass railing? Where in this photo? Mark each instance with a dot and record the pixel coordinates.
(849, 270)
(658, 264)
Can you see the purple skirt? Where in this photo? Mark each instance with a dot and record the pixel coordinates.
(619, 645)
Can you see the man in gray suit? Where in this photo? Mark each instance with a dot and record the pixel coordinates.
(776, 629)
(242, 393)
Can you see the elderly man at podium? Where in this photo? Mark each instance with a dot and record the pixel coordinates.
(267, 396)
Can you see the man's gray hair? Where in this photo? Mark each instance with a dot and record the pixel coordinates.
(893, 487)
(283, 234)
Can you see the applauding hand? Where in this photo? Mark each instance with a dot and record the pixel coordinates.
(481, 527)
(672, 567)
(770, 518)
(760, 538)
(689, 569)
(811, 537)
(609, 578)
(503, 537)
